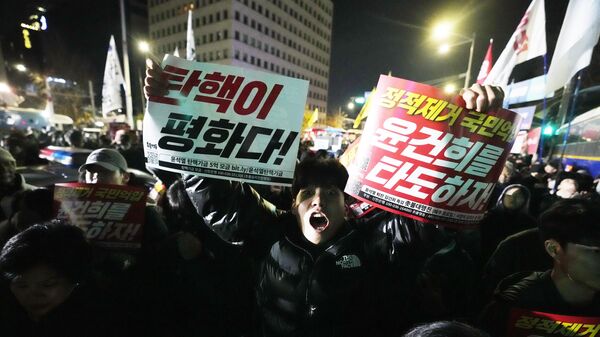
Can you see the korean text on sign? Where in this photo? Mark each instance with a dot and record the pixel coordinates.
(523, 323)
(225, 115)
(111, 216)
(424, 155)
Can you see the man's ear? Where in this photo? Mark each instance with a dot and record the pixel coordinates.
(553, 248)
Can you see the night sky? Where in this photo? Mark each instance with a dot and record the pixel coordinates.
(369, 38)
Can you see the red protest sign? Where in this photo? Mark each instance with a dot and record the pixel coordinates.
(525, 323)
(424, 155)
(111, 216)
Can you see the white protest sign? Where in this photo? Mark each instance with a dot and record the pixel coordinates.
(225, 122)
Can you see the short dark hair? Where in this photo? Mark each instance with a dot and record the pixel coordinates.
(572, 220)
(60, 246)
(319, 172)
(445, 329)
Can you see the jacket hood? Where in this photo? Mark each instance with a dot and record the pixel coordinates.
(524, 208)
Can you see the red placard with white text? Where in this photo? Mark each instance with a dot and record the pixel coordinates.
(526, 323)
(225, 122)
(111, 216)
(426, 156)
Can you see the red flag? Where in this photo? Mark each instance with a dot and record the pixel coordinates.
(486, 66)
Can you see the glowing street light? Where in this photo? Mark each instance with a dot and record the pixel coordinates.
(20, 67)
(359, 100)
(144, 46)
(442, 30)
(444, 48)
(350, 106)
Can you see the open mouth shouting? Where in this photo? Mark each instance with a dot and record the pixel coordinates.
(319, 221)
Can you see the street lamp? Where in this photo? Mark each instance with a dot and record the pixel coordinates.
(144, 46)
(20, 67)
(443, 31)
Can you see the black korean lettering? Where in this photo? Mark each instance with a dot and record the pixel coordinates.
(236, 138)
(176, 124)
(217, 133)
(175, 143)
(244, 151)
(196, 126)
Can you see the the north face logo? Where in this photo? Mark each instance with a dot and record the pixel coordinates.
(348, 261)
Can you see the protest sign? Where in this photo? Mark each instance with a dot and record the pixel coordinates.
(225, 122)
(111, 216)
(526, 323)
(424, 155)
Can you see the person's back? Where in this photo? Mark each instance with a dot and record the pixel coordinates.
(508, 259)
(509, 216)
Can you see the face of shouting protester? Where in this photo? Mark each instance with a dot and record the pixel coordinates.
(320, 211)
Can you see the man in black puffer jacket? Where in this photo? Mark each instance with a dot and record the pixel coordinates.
(320, 274)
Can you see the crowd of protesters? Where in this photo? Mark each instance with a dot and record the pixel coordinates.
(224, 258)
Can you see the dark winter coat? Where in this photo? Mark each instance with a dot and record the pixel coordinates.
(362, 282)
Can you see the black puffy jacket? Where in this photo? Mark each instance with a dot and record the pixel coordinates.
(360, 284)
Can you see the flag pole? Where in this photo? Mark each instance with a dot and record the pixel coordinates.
(128, 100)
(544, 112)
(570, 119)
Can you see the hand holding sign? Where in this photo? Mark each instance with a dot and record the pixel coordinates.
(483, 97)
(156, 82)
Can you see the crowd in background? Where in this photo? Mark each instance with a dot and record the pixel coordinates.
(187, 281)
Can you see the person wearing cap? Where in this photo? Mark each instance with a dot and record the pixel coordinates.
(11, 183)
(128, 275)
(105, 166)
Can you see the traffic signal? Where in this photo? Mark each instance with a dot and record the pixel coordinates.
(548, 130)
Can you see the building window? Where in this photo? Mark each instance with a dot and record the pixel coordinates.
(225, 34)
(225, 15)
(236, 35)
(236, 16)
